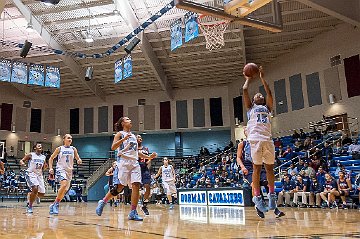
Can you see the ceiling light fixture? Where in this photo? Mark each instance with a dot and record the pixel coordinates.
(50, 2)
(89, 38)
(29, 27)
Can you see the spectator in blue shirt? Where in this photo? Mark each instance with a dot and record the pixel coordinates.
(291, 169)
(287, 191)
(320, 176)
(315, 189)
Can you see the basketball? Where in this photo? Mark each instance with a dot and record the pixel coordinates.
(251, 70)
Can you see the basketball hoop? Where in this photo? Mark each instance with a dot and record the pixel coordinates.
(214, 32)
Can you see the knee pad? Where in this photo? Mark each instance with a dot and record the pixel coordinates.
(114, 191)
(342, 193)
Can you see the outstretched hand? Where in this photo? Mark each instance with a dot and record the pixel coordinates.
(261, 71)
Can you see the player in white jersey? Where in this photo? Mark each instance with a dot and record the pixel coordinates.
(167, 173)
(35, 162)
(128, 168)
(261, 144)
(64, 169)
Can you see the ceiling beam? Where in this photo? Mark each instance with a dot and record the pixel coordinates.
(129, 16)
(76, 69)
(348, 11)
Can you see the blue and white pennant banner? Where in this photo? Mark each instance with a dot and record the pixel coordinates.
(122, 42)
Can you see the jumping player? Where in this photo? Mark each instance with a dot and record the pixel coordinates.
(36, 162)
(243, 158)
(64, 169)
(168, 180)
(129, 172)
(145, 174)
(261, 145)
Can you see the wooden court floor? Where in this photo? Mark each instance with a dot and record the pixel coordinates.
(78, 220)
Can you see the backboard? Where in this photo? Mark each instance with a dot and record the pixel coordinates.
(235, 11)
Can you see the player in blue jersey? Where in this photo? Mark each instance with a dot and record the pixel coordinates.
(129, 172)
(64, 169)
(261, 144)
(244, 160)
(36, 162)
(145, 174)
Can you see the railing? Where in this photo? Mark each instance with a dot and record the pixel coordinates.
(98, 173)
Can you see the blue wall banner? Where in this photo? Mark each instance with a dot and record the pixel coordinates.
(5, 70)
(52, 77)
(118, 71)
(19, 73)
(176, 34)
(191, 26)
(127, 66)
(36, 75)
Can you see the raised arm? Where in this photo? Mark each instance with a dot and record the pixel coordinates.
(247, 100)
(109, 172)
(51, 159)
(24, 160)
(269, 97)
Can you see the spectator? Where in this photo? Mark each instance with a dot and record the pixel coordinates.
(308, 170)
(327, 152)
(217, 183)
(295, 135)
(338, 149)
(315, 189)
(208, 183)
(279, 152)
(291, 169)
(346, 140)
(277, 143)
(287, 191)
(354, 150)
(201, 183)
(302, 134)
(78, 191)
(338, 168)
(320, 176)
(315, 163)
(344, 187)
(307, 144)
(300, 165)
(298, 145)
(329, 193)
(287, 151)
(300, 190)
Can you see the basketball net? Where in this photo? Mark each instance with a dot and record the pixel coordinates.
(214, 33)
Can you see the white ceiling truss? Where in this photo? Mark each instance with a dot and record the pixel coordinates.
(155, 66)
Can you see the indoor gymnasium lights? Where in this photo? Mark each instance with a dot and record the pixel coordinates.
(50, 2)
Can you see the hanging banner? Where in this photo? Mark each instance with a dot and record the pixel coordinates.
(176, 34)
(52, 77)
(36, 74)
(5, 70)
(191, 26)
(118, 71)
(19, 72)
(127, 66)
